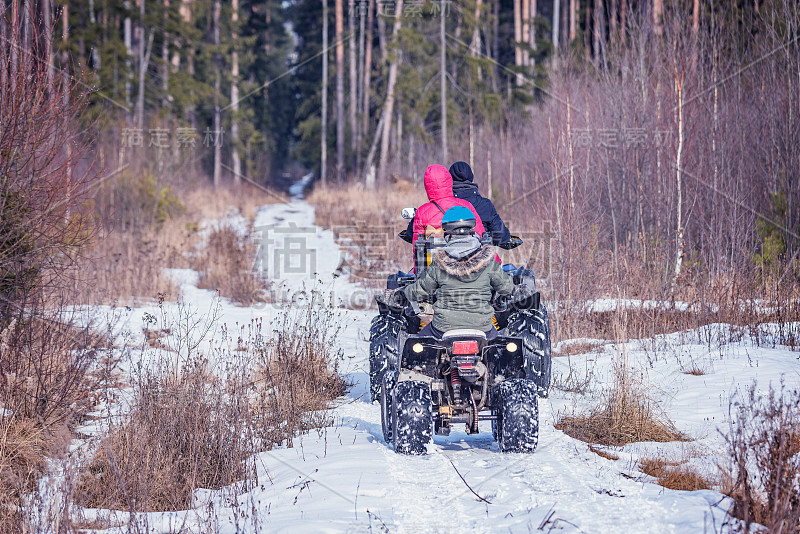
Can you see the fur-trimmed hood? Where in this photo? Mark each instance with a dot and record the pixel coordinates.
(467, 266)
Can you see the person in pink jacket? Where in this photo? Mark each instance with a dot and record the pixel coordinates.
(439, 186)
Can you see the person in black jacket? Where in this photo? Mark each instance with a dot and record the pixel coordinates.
(464, 188)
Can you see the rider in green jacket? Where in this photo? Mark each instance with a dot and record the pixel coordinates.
(462, 275)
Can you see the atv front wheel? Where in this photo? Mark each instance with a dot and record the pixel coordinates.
(412, 417)
(384, 348)
(387, 407)
(516, 423)
(534, 328)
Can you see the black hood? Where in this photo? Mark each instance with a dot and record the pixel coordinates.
(461, 172)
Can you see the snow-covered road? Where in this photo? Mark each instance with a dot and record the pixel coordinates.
(345, 478)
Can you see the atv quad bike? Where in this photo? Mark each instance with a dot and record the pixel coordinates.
(426, 385)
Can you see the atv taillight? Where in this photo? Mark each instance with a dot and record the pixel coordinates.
(465, 347)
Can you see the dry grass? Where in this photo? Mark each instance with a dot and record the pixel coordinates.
(193, 427)
(297, 375)
(367, 222)
(626, 414)
(602, 453)
(694, 370)
(183, 433)
(226, 264)
(673, 474)
(126, 263)
(206, 202)
(126, 267)
(578, 347)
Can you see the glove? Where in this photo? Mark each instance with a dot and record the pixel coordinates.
(521, 293)
(394, 298)
(524, 298)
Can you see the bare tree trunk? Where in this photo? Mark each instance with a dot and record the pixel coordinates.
(388, 109)
(369, 170)
(47, 22)
(597, 30)
(571, 155)
(128, 41)
(679, 235)
(340, 118)
(475, 45)
(443, 80)
(323, 167)
(360, 86)
(517, 38)
(489, 176)
(26, 25)
(613, 19)
(165, 56)
(382, 36)
(496, 42)
(398, 135)
(587, 43)
(217, 112)
(658, 16)
(236, 163)
(4, 59)
(573, 20)
(526, 30)
(351, 27)
(268, 42)
(142, 68)
(366, 72)
(65, 82)
(532, 35)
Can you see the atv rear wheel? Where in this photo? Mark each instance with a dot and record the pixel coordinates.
(516, 423)
(412, 417)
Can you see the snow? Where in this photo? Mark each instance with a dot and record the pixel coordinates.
(345, 478)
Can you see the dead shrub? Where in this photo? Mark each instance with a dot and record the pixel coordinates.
(45, 360)
(694, 370)
(626, 414)
(128, 266)
(764, 469)
(673, 474)
(603, 454)
(192, 426)
(297, 375)
(366, 223)
(144, 234)
(226, 265)
(23, 447)
(578, 347)
(182, 433)
(573, 381)
(49, 369)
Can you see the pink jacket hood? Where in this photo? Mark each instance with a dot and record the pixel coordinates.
(439, 186)
(438, 183)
